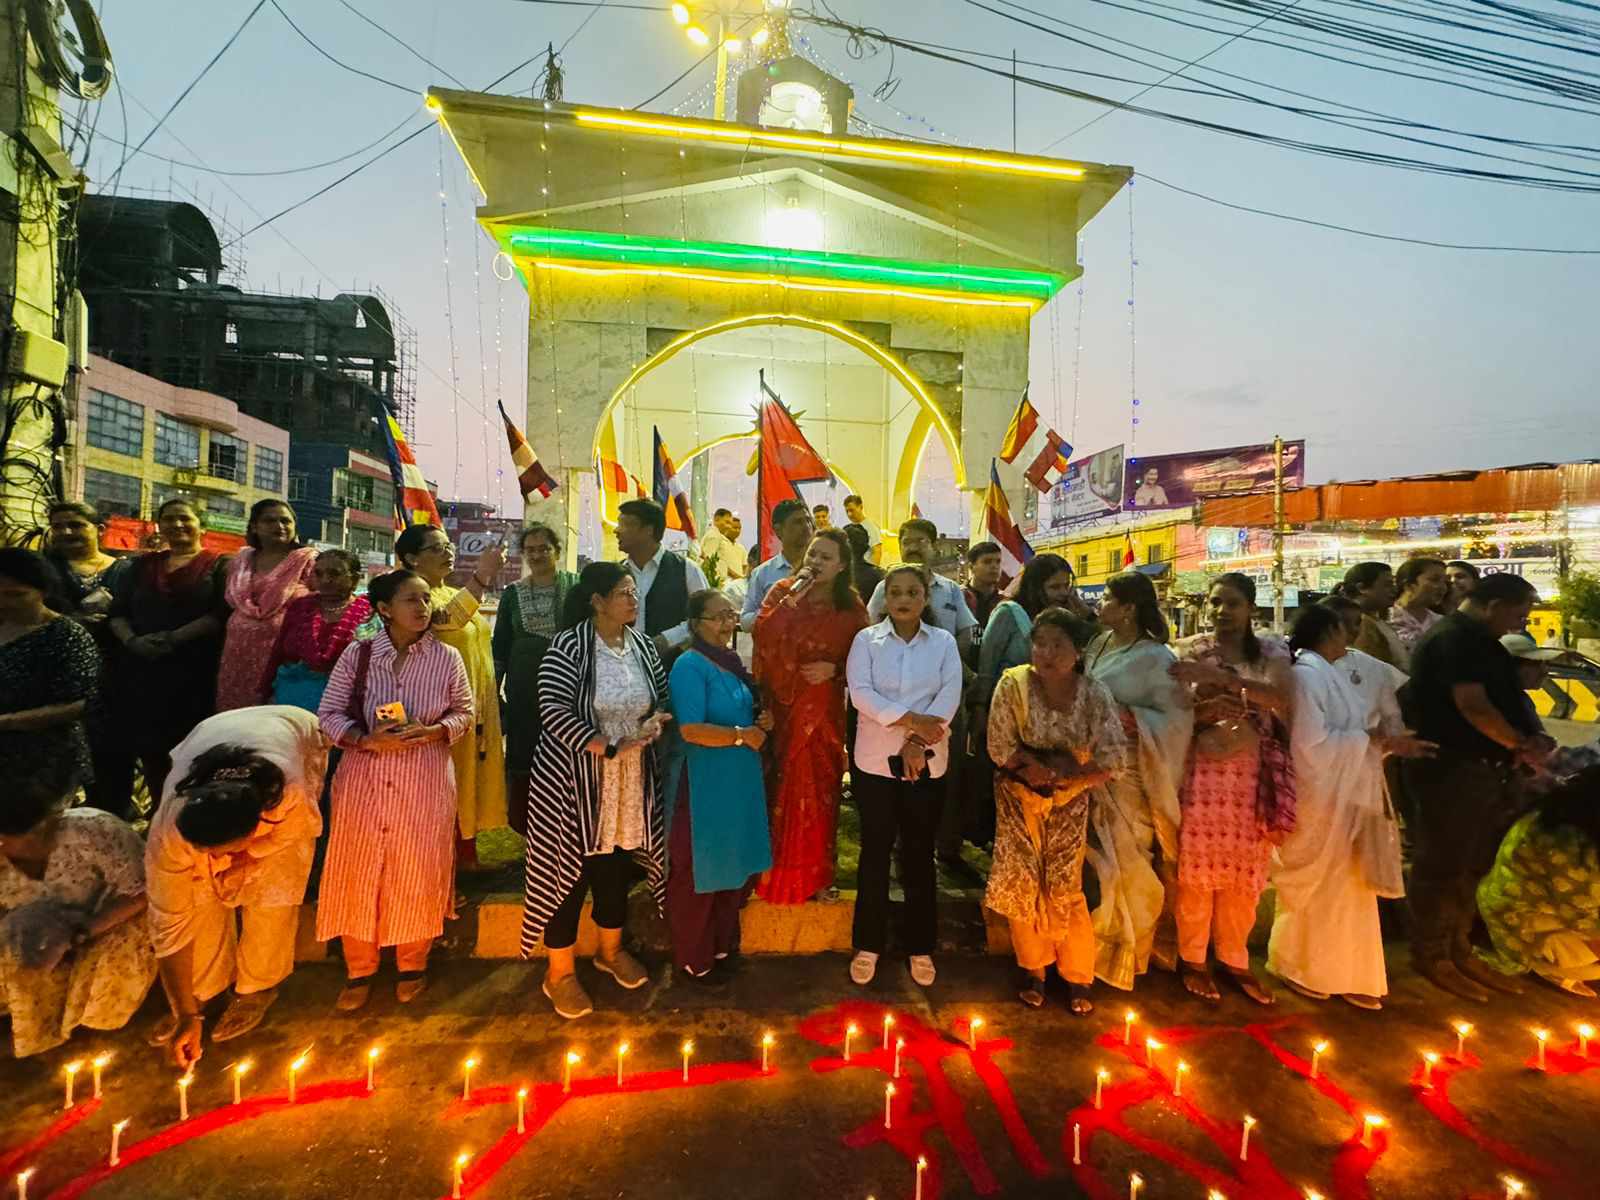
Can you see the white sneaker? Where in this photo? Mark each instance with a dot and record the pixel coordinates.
(863, 967)
(922, 972)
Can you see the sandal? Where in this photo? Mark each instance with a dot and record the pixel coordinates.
(243, 1014)
(354, 995)
(1032, 993)
(164, 1031)
(1577, 987)
(1198, 981)
(1078, 1002)
(1244, 979)
(410, 985)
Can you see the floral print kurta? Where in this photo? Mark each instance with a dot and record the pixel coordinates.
(96, 861)
(1541, 902)
(1039, 841)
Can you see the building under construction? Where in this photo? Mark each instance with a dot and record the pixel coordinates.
(152, 274)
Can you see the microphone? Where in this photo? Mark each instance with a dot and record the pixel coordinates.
(803, 579)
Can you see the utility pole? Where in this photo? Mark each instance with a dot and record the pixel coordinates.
(1564, 550)
(1277, 534)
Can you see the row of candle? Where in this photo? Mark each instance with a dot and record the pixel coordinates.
(238, 1070)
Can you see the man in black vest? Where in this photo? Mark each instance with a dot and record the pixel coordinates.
(665, 580)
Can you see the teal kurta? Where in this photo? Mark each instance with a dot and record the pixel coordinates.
(727, 795)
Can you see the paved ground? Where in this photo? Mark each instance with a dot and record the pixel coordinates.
(995, 1123)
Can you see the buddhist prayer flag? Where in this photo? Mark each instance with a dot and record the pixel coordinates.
(1053, 457)
(1024, 422)
(531, 477)
(413, 501)
(783, 459)
(1003, 531)
(609, 470)
(668, 492)
(1127, 550)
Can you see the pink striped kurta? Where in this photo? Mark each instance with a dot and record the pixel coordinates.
(390, 875)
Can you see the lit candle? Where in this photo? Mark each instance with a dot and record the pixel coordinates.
(1463, 1031)
(373, 1052)
(888, 1024)
(922, 1165)
(183, 1096)
(1318, 1049)
(1512, 1185)
(899, 1046)
(688, 1049)
(1585, 1032)
(973, 1025)
(573, 1059)
(295, 1068)
(1077, 1145)
(466, 1078)
(241, 1069)
(1214, 1194)
(766, 1049)
(1244, 1139)
(1369, 1123)
(1313, 1194)
(1541, 1036)
(622, 1053)
(71, 1071)
(888, 1106)
(98, 1064)
(1100, 1078)
(1429, 1061)
(116, 1141)
(462, 1160)
(1128, 1018)
(1135, 1182)
(522, 1110)
(1150, 1048)
(850, 1032)
(1177, 1078)
(22, 1183)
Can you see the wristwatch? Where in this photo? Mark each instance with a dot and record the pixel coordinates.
(738, 736)
(611, 749)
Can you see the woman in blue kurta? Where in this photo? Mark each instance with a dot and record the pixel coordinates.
(719, 841)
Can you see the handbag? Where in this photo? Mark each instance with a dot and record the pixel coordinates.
(356, 710)
(1378, 851)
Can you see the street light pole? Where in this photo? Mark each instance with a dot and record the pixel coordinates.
(1277, 534)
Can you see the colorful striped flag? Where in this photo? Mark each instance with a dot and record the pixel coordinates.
(412, 499)
(1024, 423)
(531, 477)
(1003, 531)
(1128, 558)
(1053, 457)
(613, 477)
(668, 492)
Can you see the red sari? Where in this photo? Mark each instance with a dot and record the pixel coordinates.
(808, 760)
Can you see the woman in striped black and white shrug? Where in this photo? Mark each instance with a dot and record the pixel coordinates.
(595, 813)
(390, 877)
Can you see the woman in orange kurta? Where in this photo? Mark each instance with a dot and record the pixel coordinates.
(802, 637)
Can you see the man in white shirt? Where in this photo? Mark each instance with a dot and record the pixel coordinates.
(856, 512)
(665, 580)
(721, 548)
(948, 601)
(792, 520)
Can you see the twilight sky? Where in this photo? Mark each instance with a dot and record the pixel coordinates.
(1388, 358)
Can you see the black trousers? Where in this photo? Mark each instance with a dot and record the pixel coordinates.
(893, 810)
(1459, 810)
(609, 877)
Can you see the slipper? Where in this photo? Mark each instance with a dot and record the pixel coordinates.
(1078, 1002)
(1370, 1003)
(410, 985)
(1301, 990)
(354, 995)
(1198, 980)
(1032, 993)
(243, 1014)
(1244, 979)
(1577, 987)
(165, 1030)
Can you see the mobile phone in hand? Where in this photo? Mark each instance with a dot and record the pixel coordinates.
(395, 712)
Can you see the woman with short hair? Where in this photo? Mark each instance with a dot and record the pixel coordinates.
(88, 573)
(73, 951)
(226, 862)
(1372, 586)
(1046, 582)
(168, 614)
(1057, 742)
(528, 620)
(316, 630)
(269, 574)
(595, 813)
(394, 705)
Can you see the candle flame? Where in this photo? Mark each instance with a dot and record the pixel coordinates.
(299, 1064)
(101, 1060)
(24, 1176)
(1102, 1073)
(889, 1088)
(522, 1093)
(373, 1052)
(470, 1063)
(1313, 1194)
(922, 1163)
(767, 1039)
(1374, 1121)
(688, 1047)
(120, 1125)
(1152, 1043)
(1463, 1028)
(1213, 1194)
(1182, 1066)
(899, 1043)
(186, 1080)
(622, 1049)
(975, 1022)
(1513, 1186)
(463, 1159)
(1130, 1016)
(851, 1028)
(1429, 1057)
(888, 1018)
(242, 1068)
(1542, 1034)
(574, 1058)
(73, 1067)
(1249, 1122)
(1586, 1031)
(1320, 1047)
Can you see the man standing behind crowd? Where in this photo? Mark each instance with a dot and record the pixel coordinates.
(856, 511)
(720, 548)
(1465, 695)
(795, 531)
(665, 580)
(947, 600)
(983, 587)
(822, 515)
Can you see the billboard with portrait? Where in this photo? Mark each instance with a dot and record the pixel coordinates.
(1158, 481)
(1090, 487)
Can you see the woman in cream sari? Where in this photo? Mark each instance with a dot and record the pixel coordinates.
(1138, 812)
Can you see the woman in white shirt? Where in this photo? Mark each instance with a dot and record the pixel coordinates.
(905, 682)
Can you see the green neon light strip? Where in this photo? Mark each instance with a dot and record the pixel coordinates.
(636, 250)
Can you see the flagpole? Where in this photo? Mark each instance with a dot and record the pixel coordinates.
(1277, 533)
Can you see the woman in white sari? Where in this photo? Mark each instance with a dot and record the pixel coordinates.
(1326, 939)
(1138, 812)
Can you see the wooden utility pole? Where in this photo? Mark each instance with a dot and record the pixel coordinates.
(1277, 534)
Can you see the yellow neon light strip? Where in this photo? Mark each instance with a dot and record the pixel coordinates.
(856, 148)
(780, 281)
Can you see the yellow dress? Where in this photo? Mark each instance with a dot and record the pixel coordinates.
(480, 759)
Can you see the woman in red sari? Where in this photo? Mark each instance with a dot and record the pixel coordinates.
(802, 637)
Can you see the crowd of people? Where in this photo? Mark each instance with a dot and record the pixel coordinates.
(1138, 795)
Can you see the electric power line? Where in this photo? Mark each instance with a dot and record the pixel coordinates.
(342, 65)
